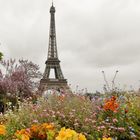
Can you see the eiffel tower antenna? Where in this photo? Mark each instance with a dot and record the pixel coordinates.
(53, 63)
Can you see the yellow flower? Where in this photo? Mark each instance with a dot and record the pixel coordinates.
(65, 134)
(2, 130)
(68, 134)
(25, 137)
(81, 137)
(107, 138)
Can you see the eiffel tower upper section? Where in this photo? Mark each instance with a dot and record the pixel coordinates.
(52, 51)
(53, 62)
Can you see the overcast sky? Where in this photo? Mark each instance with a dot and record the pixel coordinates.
(92, 35)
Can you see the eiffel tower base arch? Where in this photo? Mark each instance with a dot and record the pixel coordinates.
(54, 84)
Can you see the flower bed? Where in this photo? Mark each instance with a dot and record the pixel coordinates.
(105, 117)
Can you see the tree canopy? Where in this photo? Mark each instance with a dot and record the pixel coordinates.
(19, 78)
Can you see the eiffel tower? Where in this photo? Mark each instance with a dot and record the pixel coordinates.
(53, 63)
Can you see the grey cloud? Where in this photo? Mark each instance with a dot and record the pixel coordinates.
(91, 35)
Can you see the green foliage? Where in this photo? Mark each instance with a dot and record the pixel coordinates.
(1, 55)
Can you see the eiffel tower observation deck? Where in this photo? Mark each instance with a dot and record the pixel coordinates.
(58, 82)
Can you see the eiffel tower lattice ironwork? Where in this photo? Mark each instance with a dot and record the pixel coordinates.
(53, 63)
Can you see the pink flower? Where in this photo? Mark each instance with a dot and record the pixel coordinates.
(99, 108)
(35, 121)
(86, 119)
(46, 115)
(62, 115)
(28, 130)
(94, 114)
(115, 120)
(121, 129)
(101, 127)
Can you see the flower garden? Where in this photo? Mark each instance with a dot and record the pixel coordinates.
(114, 116)
(27, 115)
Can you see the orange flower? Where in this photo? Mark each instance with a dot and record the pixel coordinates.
(34, 128)
(2, 130)
(47, 126)
(40, 131)
(111, 104)
(61, 97)
(23, 134)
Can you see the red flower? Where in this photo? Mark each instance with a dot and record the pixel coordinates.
(126, 110)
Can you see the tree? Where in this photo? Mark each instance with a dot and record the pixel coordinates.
(19, 78)
(1, 55)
